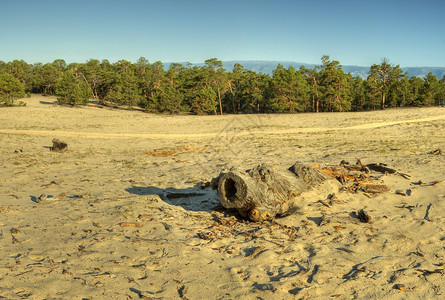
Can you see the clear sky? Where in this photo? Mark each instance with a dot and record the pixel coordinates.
(409, 33)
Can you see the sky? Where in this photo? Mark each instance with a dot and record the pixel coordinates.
(408, 33)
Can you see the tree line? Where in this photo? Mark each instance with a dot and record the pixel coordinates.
(212, 90)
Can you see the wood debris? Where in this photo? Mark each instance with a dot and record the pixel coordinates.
(345, 250)
(435, 182)
(382, 168)
(409, 207)
(369, 187)
(429, 272)
(403, 192)
(363, 216)
(41, 198)
(436, 152)
(48, 184)
(358, 177)
(126, 224)
(170, 151)
(263, 192)
(59, 146)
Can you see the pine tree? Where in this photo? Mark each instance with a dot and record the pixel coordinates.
(10, 89)
(205, 102)
(71, 90)
(125, 89)
(414, 96)
(289, 90)
(335, 86)
(430, 90)
(216, 75)
(380, 76)
(358, 94)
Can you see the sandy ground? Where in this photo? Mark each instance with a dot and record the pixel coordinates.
(107, 228)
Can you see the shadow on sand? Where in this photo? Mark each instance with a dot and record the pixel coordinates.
(192, 198)
(49, 103)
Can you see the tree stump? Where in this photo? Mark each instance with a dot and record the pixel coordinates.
(264, 192)
(58, 146)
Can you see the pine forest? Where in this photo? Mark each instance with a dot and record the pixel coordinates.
(209, 89)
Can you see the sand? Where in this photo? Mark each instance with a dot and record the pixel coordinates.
(109, 228)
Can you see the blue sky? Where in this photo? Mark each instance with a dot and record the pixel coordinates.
(409, 33)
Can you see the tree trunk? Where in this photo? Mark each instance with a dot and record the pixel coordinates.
(383, 100)
(219, 99)
(89, 87)
(264, 192)
(233, 96)
(313, 102)
(339, 103)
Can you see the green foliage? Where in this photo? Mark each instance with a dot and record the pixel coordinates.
(440, 95)
(395, 87)
(10, 89)
(212, 90)
(93, 76)
(246, 91)
(71, 90)
(205, 102)
(124, 89)
(49, 75)
(166, 99)
(414, 94)
(216, 76)
(385, 79)
(335, 86)
(288, 90)
(430, 90)
(358, 94)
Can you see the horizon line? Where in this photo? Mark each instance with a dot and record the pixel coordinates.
(224, 61)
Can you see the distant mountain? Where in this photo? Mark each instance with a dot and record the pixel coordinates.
(266, 67)
(423, 71)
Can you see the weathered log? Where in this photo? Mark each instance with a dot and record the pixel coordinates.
(264, 192)
(382, 168)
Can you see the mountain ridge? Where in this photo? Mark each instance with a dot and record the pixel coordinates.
(267, 66)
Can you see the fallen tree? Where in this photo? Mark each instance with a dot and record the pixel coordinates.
(264, 192)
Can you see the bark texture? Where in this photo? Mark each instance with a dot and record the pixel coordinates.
(264, 192)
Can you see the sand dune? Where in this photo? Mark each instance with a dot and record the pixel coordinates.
(99, 222)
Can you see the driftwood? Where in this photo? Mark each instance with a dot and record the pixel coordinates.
(436, 152)
(358, 177)
(382, 168)
(58, 146)
(264, 192)
(363, 216)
